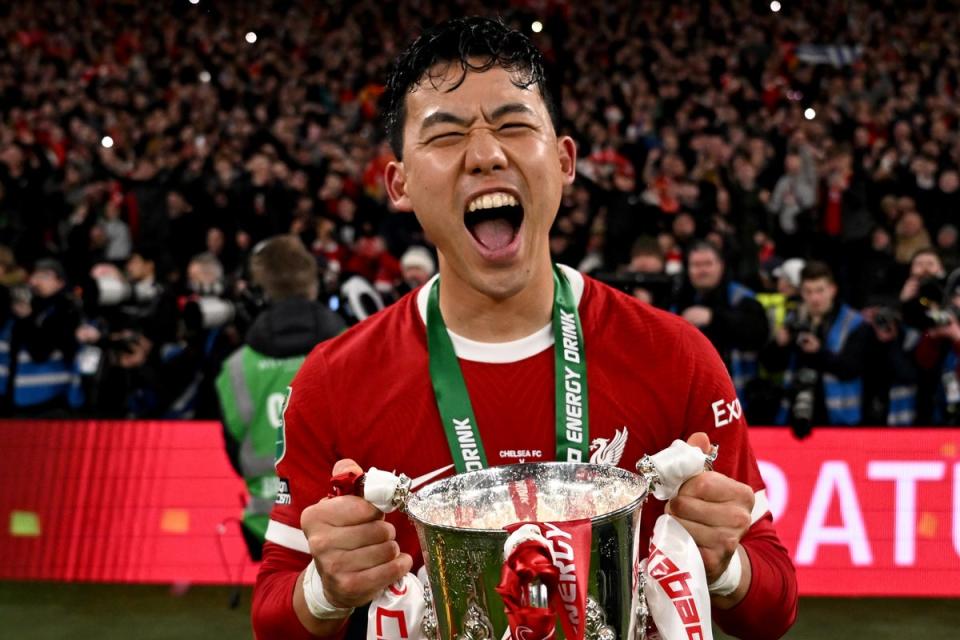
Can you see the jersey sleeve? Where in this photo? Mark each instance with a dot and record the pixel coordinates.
(714, 408)
(306, 452)
(272, 613)
(770, 607)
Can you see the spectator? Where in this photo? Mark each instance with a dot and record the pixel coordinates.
(417, 266)
(684, 126)
(792, 200)
(911, 237)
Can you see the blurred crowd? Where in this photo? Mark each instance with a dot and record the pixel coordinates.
(786, 181)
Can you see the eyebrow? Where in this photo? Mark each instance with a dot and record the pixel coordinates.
(445, 117)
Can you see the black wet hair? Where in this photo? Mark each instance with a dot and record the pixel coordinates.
(475, 44)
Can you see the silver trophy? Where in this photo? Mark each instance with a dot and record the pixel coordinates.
(460, 522)
(461, 525)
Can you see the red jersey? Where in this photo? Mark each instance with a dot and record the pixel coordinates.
(367, 395)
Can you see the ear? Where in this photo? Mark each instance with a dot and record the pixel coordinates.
(567, 151)
(395, 179)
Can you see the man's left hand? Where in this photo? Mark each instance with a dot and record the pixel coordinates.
(809, 343)
(715, 510)
(698, 316)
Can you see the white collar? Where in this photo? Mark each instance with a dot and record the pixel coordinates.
(501, 352)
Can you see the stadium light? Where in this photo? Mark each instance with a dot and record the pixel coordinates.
(107, 142)
(251, 37)
(809, 114)
(775, 6)
(204, 76)
(537, 26)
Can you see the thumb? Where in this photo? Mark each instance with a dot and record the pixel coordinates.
(346, 466)
(700, 440)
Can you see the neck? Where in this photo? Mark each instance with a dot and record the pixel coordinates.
(478, 316)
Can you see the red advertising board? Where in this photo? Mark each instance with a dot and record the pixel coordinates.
(867, 511)
(862, 511)
(119, 502)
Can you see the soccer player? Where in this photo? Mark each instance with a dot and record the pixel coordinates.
(530, 362)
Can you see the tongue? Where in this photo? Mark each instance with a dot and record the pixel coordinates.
(494, 234)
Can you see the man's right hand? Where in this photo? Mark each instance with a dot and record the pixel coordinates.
(354, 549)
(949, 331)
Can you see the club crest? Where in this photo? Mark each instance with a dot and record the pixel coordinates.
(609, 450)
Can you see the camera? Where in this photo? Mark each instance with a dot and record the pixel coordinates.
(207, 312)
(927, 310)
(886, 319)
(797, 323)
(801, 416)
(661, 287)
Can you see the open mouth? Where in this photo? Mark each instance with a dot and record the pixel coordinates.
(494, 219)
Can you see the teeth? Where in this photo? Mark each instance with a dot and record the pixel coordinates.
(492, 200)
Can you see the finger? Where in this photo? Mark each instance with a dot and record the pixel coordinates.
(712, 514)
(359, 588)
(389, 572)
(721, 542)
(700, 440)
(345, 466)
(716, 487)
(342, 511)
(356, 560)
(358, 536)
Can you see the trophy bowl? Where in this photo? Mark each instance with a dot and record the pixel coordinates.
(460, 522)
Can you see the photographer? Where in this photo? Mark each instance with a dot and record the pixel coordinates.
(922, 299)
(938, 356)
(926, 275)
(645, 277)
(253, 383)
(890, 372)
(821, 349)
(129, 318)
(207, 333)
(42, 344)
(726, 312)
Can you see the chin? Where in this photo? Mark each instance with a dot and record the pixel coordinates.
(500, 284)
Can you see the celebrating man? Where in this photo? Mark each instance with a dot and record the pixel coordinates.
(503, 358)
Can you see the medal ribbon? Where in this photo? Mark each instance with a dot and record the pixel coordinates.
(570, 373)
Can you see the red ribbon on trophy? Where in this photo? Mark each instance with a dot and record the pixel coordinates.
(556, 556)
(346, 484)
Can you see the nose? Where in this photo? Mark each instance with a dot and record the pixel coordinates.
(484, 153)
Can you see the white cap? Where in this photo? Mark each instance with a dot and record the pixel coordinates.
(791, 270)
(418, 257)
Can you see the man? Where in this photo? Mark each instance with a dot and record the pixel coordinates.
(253, 382)
(647, 269)
(479, 162)
(43, 344)
(725, 311)
(793, 196)
(822, 349)
(926, 268)
(207, 334)
(417, 267)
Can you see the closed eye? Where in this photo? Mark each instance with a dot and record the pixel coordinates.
(446, 137)
(515, 126)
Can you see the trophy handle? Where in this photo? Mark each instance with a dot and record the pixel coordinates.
(384, 490)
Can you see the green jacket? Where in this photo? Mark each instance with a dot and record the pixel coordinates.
(253, 390)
